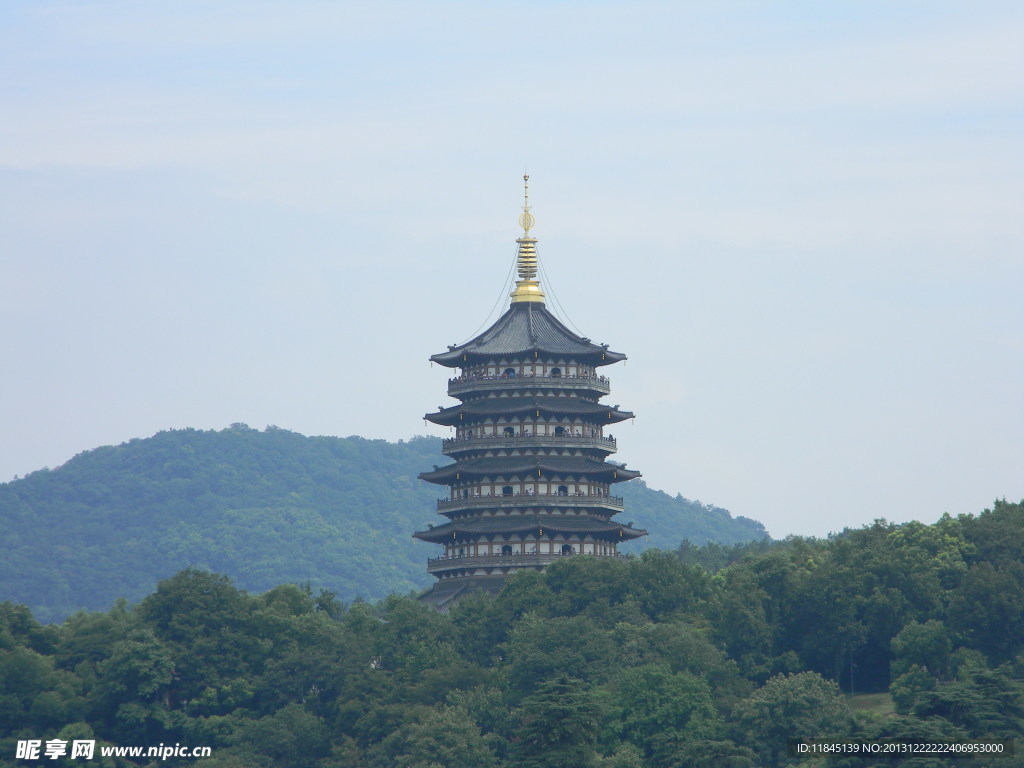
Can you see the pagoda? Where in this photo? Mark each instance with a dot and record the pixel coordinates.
(530, 482)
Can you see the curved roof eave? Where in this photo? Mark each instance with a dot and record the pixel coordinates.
(513, 465)
(512, 406)
(484, 526)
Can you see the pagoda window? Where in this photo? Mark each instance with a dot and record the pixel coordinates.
(568, 549)
(506, 490)
(509, 372)
(563, 490)
(556, 372)
(559, 431)
(510, 430)
(507, 549)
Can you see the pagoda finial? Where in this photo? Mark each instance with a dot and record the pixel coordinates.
(526, 220)
(527, 286)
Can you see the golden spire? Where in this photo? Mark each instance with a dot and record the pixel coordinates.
(527, 286)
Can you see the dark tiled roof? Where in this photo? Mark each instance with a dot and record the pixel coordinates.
(517, 406)
(445, 594)
(529, 465)
(480, 526)
(526, 328)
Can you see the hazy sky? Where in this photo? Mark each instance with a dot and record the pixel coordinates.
(802, 221)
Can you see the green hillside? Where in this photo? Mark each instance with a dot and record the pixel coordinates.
(264, 507)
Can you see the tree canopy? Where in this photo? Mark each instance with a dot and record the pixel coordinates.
(651, 662)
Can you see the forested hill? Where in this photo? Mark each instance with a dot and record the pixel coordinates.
(264, 507)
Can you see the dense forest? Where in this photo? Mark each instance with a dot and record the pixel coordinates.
(707, 656)
(263, 507)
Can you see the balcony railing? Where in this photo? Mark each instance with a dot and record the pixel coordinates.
(579, 381)
(533, 500)
(528, 439)
(444, 563)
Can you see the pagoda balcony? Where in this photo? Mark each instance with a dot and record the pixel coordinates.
(521, 500)
(462, 384)
(454, 445)
(519, 560)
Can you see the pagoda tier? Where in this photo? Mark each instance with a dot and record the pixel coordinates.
(536, 468)
(527, 525)
(566, 443)
(526, 409)
(530, 482)
(531, 379)
(597, 502)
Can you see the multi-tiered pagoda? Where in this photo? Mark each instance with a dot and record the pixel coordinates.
(530, 482)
